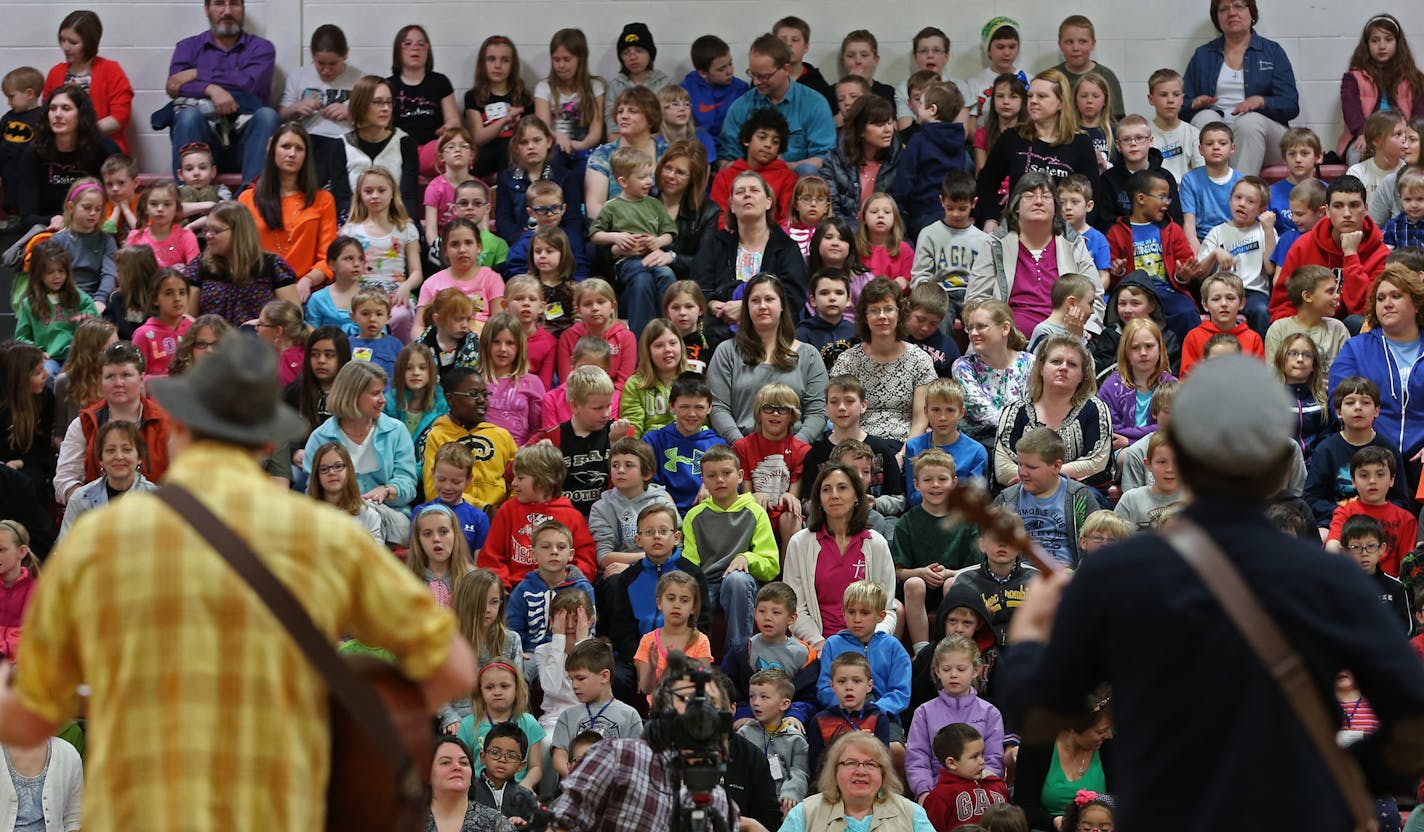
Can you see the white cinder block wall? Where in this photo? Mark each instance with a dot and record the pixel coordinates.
(1134, 38)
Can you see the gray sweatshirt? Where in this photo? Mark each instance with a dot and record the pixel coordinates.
(613, 520)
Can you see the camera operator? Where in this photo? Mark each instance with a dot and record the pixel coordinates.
(622, 785)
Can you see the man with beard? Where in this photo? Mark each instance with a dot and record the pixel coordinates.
(221, 83)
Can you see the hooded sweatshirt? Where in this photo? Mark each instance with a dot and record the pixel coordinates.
(1400, 420)
(621, 342)
(528, 610)
(889, 670)
(781, 178)
(1195, 342)
(1104, 345)
(1318, 247)
(1117, 202)
(923, 684)
(921, 767)
(829, 339)
(679, 461)
(631, 605)
(613, 520)
(509, 551)
(710, 102)
(713, 536)
(936, 149)
(956, 800)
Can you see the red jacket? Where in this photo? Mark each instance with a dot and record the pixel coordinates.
(13, 601)
(781, 178)
(1195, 342)
(154, 432)
(1319, 248)
(110, 90)
(509, 548)
(1175, 249)
(955, 800)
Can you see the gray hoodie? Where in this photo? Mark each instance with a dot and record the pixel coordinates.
(613, 520)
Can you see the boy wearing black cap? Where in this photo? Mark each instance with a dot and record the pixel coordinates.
(636, 54)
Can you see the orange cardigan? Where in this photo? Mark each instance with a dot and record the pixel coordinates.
(110, 90)
(309, 230)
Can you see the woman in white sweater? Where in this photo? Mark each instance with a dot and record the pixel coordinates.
(836, 549)
(45, 784)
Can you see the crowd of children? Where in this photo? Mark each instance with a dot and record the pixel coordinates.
(575, 509)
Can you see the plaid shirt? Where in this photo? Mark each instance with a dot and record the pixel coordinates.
(624, 785)
(203, 714)
(1399, 231)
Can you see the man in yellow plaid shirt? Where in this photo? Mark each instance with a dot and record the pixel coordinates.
(203, 713)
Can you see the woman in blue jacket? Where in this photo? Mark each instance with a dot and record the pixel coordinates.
(1244, 80)
(381, 448)
(1389, 355)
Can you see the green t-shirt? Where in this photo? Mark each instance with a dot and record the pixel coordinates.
(646, 216)
(920, 541)
(493, 249)
(1058, 790)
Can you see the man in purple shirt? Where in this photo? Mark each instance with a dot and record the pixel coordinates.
(232, 70)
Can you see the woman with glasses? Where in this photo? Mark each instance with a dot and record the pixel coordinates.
(1024, 259)
(374, 141)
(295, 216)
(234, 277)
(1244, 80)
(765, 350)
(894, 372)
(859, 789)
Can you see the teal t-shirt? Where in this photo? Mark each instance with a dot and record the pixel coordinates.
(1058, 790)
(472, 733)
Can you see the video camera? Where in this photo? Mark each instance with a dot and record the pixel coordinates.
(699, 736)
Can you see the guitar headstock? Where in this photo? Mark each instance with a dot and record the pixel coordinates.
(971, 502)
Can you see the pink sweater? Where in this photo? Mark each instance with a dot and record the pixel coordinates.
(483, 288)
(177, 250)
(158, 343)
(516, 404)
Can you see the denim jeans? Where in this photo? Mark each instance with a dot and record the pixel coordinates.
(249, 150)
(1258, 313)
(643, 288)
(735, 594)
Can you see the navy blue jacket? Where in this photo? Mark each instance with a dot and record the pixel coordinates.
(936, 149)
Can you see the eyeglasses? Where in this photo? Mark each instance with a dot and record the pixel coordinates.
(1166, 199)
(333, 468)
(382, 102)
(471, 203)
(547, 210)
(204, 345)
(763, 77)
(1299, 354)
(813, 200)
(473, 394)
(881, 312)
(777, 409)
(1131, 140)
(1233, 7)
(657, 532)
(1101, 539)
(211, 232)
(863, 765)
(1364, 548)
(507, 756)
(454, 146)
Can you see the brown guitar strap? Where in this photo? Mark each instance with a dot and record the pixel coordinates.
(1284, 664)
(356, 696)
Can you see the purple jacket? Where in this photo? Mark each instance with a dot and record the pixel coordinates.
(920, 763)
(1121, 400)
(248, 66)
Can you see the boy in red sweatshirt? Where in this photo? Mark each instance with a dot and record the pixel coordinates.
(764, 138)
(963, 792)
(1348, 242)
(536, 495)
(1224, 297)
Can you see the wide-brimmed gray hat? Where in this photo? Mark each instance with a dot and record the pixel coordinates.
(1233, 416)
(232, 394)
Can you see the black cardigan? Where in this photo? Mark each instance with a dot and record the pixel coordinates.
(1033, 764)
(715, 266)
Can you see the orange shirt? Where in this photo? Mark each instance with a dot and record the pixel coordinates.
(307, 231)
